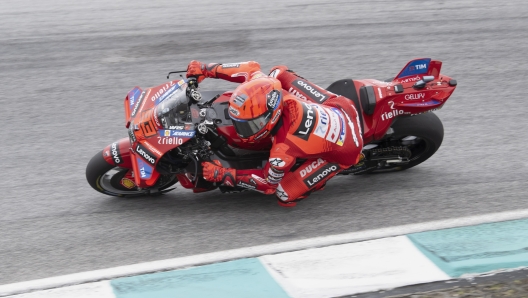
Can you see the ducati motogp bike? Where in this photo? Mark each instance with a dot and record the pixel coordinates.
(173, 127)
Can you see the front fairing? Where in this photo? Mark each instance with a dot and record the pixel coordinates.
(158, 120)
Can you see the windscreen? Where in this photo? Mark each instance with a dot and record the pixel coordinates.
(174, 111)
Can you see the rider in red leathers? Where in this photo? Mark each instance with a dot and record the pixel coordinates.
(304, 121)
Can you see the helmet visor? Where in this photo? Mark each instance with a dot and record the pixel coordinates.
(247, 128)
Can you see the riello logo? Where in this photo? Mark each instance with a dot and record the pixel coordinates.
(392, 114)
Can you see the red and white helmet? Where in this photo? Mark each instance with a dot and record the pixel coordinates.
(255, 108)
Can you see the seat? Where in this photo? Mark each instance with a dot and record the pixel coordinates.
(347, 89)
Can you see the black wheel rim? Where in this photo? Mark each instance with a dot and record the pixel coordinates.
(109, 182)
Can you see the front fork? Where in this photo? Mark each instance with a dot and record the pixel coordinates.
(118, 154)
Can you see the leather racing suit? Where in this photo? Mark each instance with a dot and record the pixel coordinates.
(318, 130)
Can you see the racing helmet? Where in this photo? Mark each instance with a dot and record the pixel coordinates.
(255, 108)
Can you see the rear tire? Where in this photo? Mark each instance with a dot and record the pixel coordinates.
(105, 178)
(428, 132)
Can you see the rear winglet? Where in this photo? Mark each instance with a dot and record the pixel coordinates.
(420, 67)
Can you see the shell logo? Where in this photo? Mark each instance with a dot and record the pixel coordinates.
(128, 183)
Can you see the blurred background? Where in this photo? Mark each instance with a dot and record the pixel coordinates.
(65, 68)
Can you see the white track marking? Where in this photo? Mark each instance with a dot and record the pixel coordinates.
(352, 268)
(101, 289)
(255, 251)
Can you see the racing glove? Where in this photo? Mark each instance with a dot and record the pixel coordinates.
(196, 69)
(215, 172)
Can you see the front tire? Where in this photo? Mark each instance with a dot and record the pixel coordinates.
(106, 178)
(421, 134)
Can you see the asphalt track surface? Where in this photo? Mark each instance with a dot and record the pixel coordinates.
(65, 69)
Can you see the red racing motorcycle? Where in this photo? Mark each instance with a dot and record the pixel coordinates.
(173, 127)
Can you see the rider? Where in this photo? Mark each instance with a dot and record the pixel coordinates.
(305, 122)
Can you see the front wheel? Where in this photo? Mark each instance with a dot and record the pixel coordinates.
(420, 135)
(108, 179)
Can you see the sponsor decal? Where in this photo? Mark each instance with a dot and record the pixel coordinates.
(306, 125)
(319, 175)
(424, 104)
(177, 127)
(392, 114)
(273, 180)
(252, 181)
(128, 183)
(116, 155)
(131, 134)
(148, 128)
(170, 141)
(314, 165)
(273, 99)
(230, 65)
(155, 116)
(322, 122)
(409, 80)
(145, 170)
(245, 185)
(234, 111)
(146, 154)
(277, 162)
(168, 93)
(133, 95)
(274, 173)
(357, 118)
(281, 194)
(152, 148)
(265, 132)
(310, 90)
(274, 73)
(276, 117)
(106, 153)
(379, 92)
(420, 66)
(169, 86)
(134, 111)
(335, 128)
(259, 179)
(297, 93)
(240, 99)
(351, 124)
(342, 133)
(415, 96)
(177, 133)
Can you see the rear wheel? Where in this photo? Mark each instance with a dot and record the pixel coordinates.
(421, 135)
(111, 180)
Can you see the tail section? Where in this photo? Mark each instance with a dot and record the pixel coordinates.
(420, 67)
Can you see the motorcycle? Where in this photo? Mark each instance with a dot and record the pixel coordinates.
(173, 127)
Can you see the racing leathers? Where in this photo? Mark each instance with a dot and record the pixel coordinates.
(318, 134)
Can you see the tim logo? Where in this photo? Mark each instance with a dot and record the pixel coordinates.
(417, 67)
